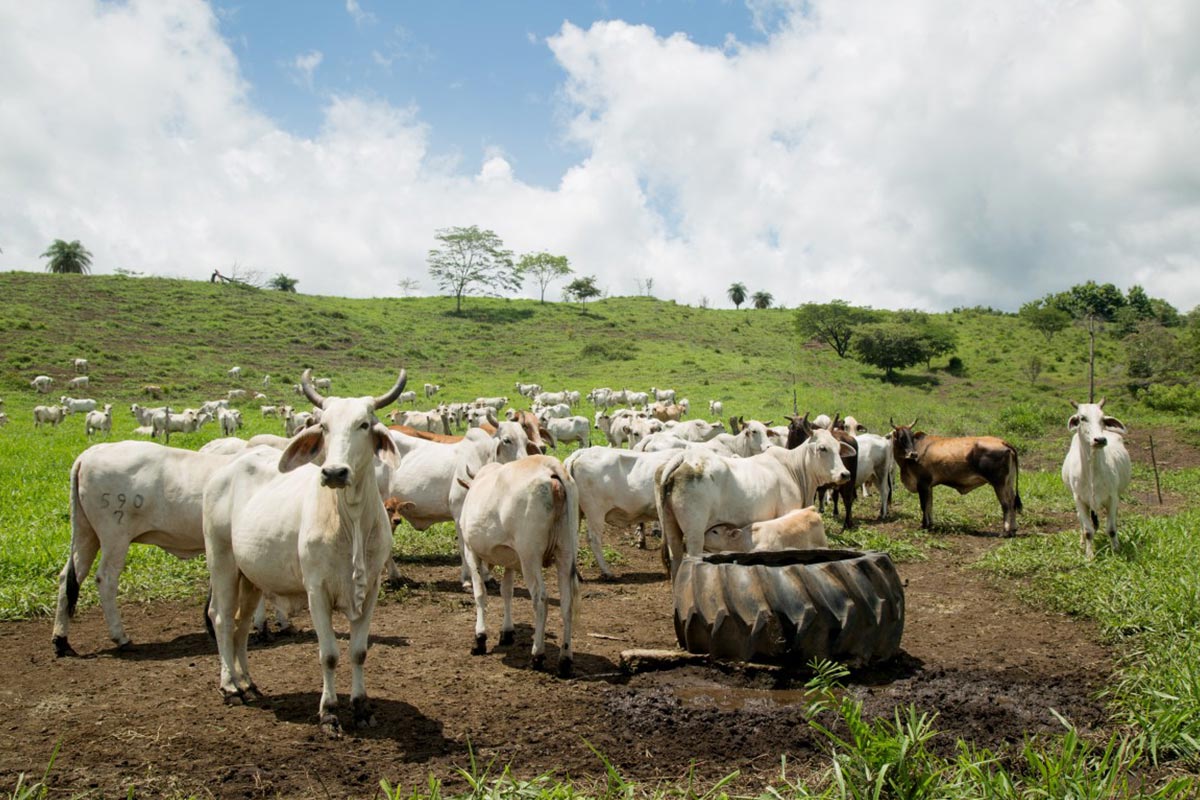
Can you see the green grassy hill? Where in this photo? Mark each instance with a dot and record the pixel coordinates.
(184, 335)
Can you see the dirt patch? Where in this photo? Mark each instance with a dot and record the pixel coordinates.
(991, 668)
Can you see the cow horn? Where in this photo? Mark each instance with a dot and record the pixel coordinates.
(1074, 405)
(1101, 403)
(312, 394)
(391, 394)
(913, 424)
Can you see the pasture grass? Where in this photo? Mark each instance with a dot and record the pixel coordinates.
(184, 335)
(1146, 599)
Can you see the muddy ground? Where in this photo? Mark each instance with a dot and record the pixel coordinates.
(991, 668)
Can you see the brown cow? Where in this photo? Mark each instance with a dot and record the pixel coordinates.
(799, 431)
(963, 463)
(526, 420)
(667, 412)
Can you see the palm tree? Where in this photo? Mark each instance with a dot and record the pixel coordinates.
(763, 299)
(283, 283)
(737, 294)
(68, 257)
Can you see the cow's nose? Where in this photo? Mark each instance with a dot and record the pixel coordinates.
(844, 475)
(1100, 441)
(335, 477)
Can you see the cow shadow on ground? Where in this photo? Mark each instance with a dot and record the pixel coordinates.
(493, 315)
(518, 655)
(395, 720)
(631, 578)
(190, 645)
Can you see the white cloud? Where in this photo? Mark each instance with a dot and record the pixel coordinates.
(910, 154)
(304, 66)
(360, 17)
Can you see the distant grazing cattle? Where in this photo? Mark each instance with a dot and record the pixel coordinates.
(431, 389)
(42, 383)
(1096, 470)
(235, 373)
(962, 463)
(98, 421)
(81, 365)
(48, 415)
(79, 382)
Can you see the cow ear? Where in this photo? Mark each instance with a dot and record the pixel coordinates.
(847, 450)
(1073, 422)
(385, 448)
(304, 448)
(532, 449)
(1115, 425)
(463, 484)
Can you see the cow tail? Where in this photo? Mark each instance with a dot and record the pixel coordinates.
(566, 531)
(666, 514)
(559, 537)
(1015, 474)
(76, 520)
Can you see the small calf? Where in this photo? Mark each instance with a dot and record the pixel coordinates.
(801, 529)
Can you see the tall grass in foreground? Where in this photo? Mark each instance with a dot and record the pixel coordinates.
(1146, 599)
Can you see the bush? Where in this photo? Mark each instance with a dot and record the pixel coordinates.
(1179, 398)
(608, 351)
(955, 366)
(1029, 420)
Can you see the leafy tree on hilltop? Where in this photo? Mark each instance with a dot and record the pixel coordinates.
(1045, 317)
(68, 257)
(283, 283)
(890, 346)
(472, 259)
(544, 268)
(582, 289)
(737, 294)
(831, 323)
(762, 299)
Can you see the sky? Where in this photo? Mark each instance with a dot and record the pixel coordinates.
(900, 155)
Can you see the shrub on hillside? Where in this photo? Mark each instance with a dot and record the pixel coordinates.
(1029, 420)
(608, 351)
(1178, 398)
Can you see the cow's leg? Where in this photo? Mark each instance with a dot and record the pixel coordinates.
(531, 568)
(506, 592)
(1087, 528)
(926, 495)
(1112, 525)
(248, 600)
(321, 612)
(361, 713)
(223, 582)
(393, 571)
(465, 574)
(259, 625)
(641, 536)
(108, 572)
(568, 590)
(1008, 507)
(479, 588)
(595, 533)
(74, 572)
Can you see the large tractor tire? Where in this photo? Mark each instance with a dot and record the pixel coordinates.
(790, 606)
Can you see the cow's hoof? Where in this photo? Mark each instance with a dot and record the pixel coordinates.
(608, 577)
(63, 648)
(251, 694)
(538, 661)
(125, 646)
(261, 637)
(480, 648)
(362, 715)
(233, 698)
(330, 725)
(566, 667)
(507, 637)
(467, 587)
(492, 583)
(641, 544)
(287, 631)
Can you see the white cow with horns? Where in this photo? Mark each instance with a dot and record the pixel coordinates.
(307, 524)
(1096, 470)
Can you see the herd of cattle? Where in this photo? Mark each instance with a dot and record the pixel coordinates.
(306, 519)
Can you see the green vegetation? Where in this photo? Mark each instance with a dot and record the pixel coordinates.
(544, 269)
(68, 257)
(737, 294)
(469, 261)
(185, 335)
